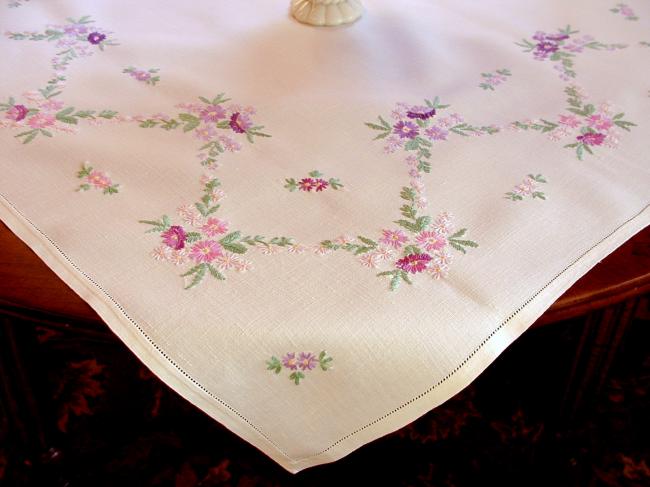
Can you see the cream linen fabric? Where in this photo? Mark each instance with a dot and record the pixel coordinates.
(396, 354)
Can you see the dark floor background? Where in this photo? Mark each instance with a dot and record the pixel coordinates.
(79, 410)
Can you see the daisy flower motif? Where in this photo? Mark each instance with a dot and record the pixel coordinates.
(431, 241)
(414, 263)
(321, 250)
(214, 227)
(290, 361)
(242, 265)
(205, 251)
(189, 214)
(438, 271)
(370, 261)
(306, 184)
(406, 130)
(443, 257)
(384, 253)
(307, 361)
(161, 253)
(178, 257)
(270, 249)
(226, 261)
(394, 238)
(296, 249)
(320, 184)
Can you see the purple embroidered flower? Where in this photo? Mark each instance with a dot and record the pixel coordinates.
(240, 123)
(406, 130)
(539, 36)
(414, 263)
(545, 48)
(307, 361)
(320, 184)
(421, 113)
(436, 133)
(213, 113)
(289, 361)
(174, 237)
(306, 184)
(141, 75)
(96, 38)
(17, 113)
(557, 37)
(591, 138)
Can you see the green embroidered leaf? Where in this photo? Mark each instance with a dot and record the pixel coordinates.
(325, 361)
(394, 282)
(235, 248)
(539, 178)
(315, 174)
(230, 238)
(538, 194)
(193, 270)
(411, 227)
(291, 185)
(111, 189)
(85, 171)
(146, 124)
(580, 150)
(281, 241)
(411, 249)
(84, 187)
(274, 364)
(191, 125)
(367, 241)
(374, 126)
(422, 222)
(405, 277)
(198, 276)
(30, 137)
(335, 183)
(407, 194)
(296, 377)
(424, 166)
(215, 273)
(188, 117)
(192, 237)
(459, 233)
(408, 211)
(412, 144)
(382, 136)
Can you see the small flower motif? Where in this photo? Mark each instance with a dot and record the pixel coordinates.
(212, 113)
(16, 113)
(406, 130)
(431, 241)
(414, 263)
(161, 253)
(306, 184)
(242, 265)
(307, 361)
(394, 238)
(205, 251)
(240, 123)
(436, 133)
(227, 261)
(438, 270)
(190, 214)
(92, 178)
(320, 184)
(370, 261)
(41, 120)
(315, 182)
(205, 133)
(96, 38)
(214, 227)
(383, 254)
(178, 257)
(591, 138)
(174, 237)
(290, 361)
(599, 122)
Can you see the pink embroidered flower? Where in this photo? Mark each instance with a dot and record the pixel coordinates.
(270, 249)
(217, 195)
(229, 144)
(438, 271)
(205, 251)
(384, 253)
(161, 253)
(51, 105)
(431, 241)
(591, 138)
(306, 184)
(178, 257)
(289, 361)
(406, 130)
(99, 179)
(205, 133)
(393, 143)
(370, 261)
(213, 113)
(307, 361)
(41, 120)
(214, 227)
(174, 237)
(190, 214)
(394, 238)
(436, 133)
(16, 113)
(141, 75)
(443, 257)
(599, 122)
(570, 121)
(400, 111)
(242, 265)
(414, 263)
(322, 250)
(240, 123)
(296, 249)
(226, 261)
(320, 184)
(443, 224)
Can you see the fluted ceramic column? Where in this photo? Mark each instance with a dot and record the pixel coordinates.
(326, 12)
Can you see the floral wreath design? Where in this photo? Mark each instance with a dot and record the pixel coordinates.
(314, 182)
(561, 48)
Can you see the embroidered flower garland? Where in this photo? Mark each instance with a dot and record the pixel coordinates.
(561, 48)
(589, 126)
(527, 188)
(490, 80)
(314, 182)
(96, 179)
(149, 76)
(298, 365)
(209, 245)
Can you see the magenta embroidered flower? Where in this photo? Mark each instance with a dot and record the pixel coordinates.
(205, 251)
(570, 121)
(414, 263)
(306, 184)
(436, 133)
(591, 138)
(406, 130)
(240, 123)
(394, 238)
(431, 241)
(17, 113)
(174, 237)
(545, 48)
(307, 361)
(214, 227)
(96, 37)
(212, 113)
(320, 184)
(599, 122)
(421, 113)
(289, 361)
(41, 120)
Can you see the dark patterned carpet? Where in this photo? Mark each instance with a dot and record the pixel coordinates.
(98, 418)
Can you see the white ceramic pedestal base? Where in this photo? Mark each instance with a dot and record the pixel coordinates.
(326, 12)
